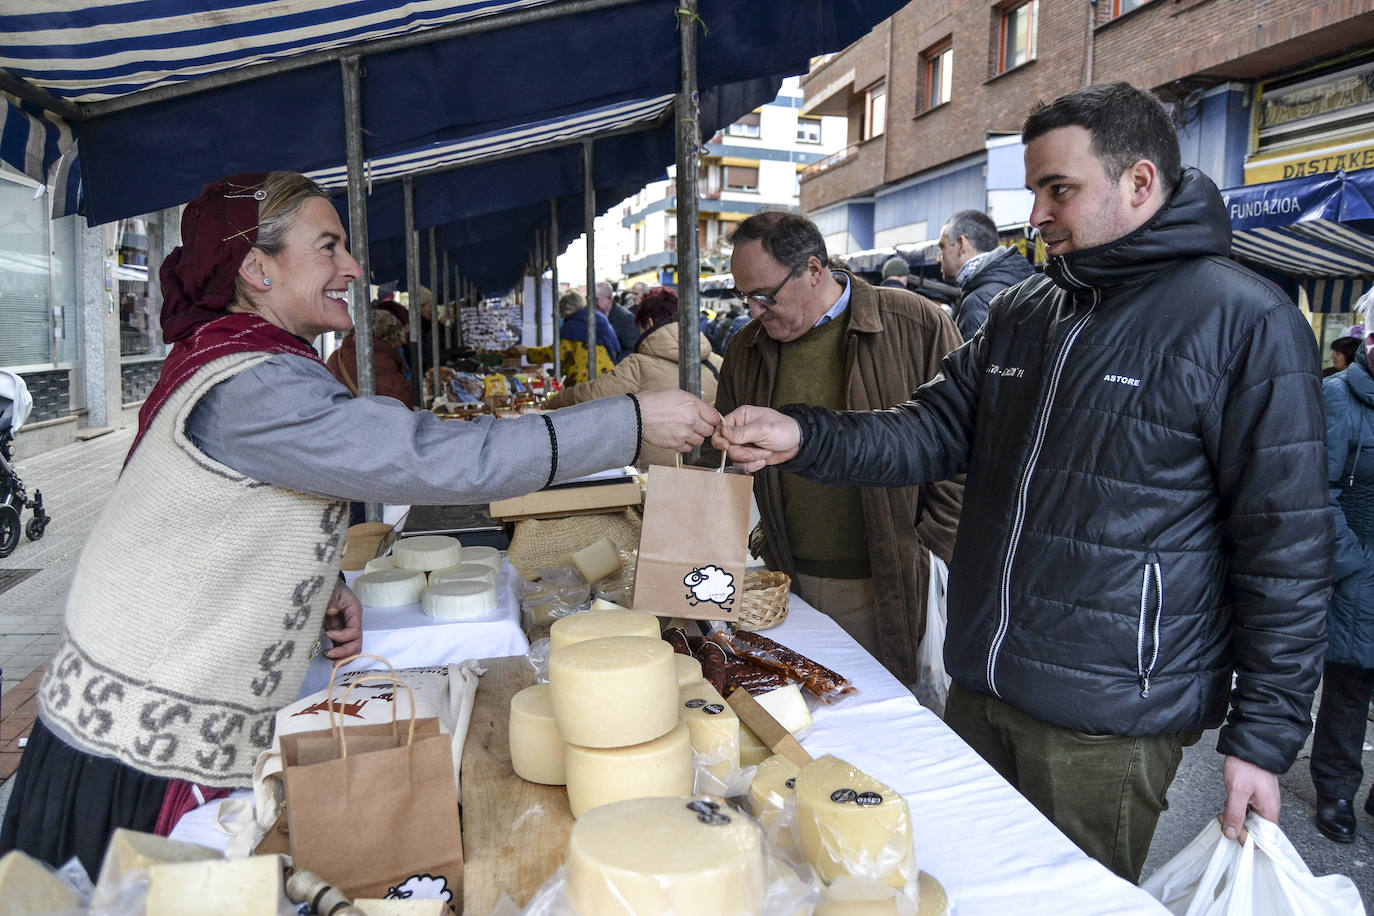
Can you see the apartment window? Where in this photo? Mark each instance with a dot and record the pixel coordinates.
(938, 73)
(1120, 7)
(1017, 44)
(875, 111)
(808, 130)
(741, 178)
(747, 126)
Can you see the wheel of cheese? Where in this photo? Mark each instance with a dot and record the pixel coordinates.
(774, 784)
(714, 728)
(614, 692)
(389, 587)
(460, 599)
(536, 749)
(576, 628)
(376, 563)
(850, 896)
(851, 824)
(684, 856)
(488, 556)
(478, 572)
(430, 551)
(688, 670)
(598, 776)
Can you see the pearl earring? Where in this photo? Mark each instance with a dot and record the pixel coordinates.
(266, 281)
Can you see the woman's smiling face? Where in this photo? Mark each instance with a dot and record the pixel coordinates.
(308, 294)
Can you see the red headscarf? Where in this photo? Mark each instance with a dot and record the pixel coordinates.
(217, 230)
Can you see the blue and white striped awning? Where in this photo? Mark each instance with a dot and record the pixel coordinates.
(1318, 248)
(510, 140)
(87, 51)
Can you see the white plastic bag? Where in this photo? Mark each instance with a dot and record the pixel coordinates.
(932, 682)
(1215, 876)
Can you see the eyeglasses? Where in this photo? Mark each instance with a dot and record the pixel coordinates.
(768, 299)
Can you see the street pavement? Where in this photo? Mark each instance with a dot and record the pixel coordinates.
(75, 480)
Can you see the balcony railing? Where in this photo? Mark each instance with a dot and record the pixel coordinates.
(829, 162)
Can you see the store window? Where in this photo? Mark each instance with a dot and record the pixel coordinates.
(808, 130)
(741, 178)
(140, 332)
(875, 111)
(1017, 34)
(748, 126)
(937, 66)
(26, 330)
(1120, 7)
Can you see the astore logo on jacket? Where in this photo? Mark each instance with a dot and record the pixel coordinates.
(1122, 380)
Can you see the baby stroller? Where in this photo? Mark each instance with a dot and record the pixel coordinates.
(15, 404)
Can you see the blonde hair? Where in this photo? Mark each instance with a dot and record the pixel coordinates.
(284, 193)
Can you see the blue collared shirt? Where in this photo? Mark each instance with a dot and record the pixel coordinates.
(841, 303)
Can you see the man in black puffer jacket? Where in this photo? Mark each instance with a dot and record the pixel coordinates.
(1145, 510)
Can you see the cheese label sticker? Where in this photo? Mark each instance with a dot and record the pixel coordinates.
(708, 813)
(791, 783)
(868, 799)
(695, 703)
(843, 796)
(714, 709)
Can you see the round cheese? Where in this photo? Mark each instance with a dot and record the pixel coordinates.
(714, 728)
(851, 824)
(487, 556)
(688, 670)
(613, 692)
(536, 750)
(850, 896)
(389, 587)
(478, 572)
(382, 562)
(431, 551)
(774, 784)
(461, 599)
(598, 776)
(576, 628)
(684, 856)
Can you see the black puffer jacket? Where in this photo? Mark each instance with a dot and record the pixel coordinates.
(1004, 267)
(1146, 504)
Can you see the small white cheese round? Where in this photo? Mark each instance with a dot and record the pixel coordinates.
(474, 572)
(431, 551)
(480, 554)
(376, 563)
(460, 599)
(389, 587)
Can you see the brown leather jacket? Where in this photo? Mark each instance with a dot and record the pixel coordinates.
(896, 340)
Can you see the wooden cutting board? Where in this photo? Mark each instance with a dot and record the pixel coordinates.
(515, 833)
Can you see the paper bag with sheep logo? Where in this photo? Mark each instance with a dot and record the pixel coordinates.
(694, 543)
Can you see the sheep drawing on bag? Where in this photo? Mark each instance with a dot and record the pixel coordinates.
(710, 584)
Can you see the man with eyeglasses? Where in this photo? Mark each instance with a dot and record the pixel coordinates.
(827, 339)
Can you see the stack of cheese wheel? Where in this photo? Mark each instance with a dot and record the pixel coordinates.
(615, 702)
(684, 856)
(575, 628)
(427, 553)
(851, 824)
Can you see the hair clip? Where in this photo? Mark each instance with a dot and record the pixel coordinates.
(241, 232)
(255, 193)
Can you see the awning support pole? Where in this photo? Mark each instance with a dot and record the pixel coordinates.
(449, 300)
(413, 287)
(537, 268)
(588, 217)
(555, 315)
(434, 308)
(688, 111)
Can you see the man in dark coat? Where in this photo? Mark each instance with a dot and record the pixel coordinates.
(1145, 412)
(620, 318)
(970, 257)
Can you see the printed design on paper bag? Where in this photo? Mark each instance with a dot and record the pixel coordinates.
(344, 709)
(710, 585)
(421, 887)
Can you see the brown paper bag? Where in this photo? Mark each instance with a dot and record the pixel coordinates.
(373, 810)
(694, 543)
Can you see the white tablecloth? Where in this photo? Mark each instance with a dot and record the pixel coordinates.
(992, 850)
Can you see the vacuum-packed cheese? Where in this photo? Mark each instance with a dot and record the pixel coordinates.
(27, 888)
(601, 775)
(613, 692)
(850, 823)
(536, 749)
(389, 587)
(427, 552)
(597, 561)
(851, 896)
(459, 599)
(487, 556)
(576, 628)
(688, 670)
(400, 907)
(228, 887)
(714, 728)
(684, 856)
(774, 783)
(476, 572)
(131, 853)
(752, 751)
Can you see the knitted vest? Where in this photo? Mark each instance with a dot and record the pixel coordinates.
(195, 608)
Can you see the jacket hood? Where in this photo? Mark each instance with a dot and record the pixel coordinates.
(1192, 223)
(1004, 266)
(662, 342)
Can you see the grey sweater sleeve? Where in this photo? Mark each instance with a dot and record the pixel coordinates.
(286, 421)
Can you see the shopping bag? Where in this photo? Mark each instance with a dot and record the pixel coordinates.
(1216, 876)
(693, 543)
(932, 681)
(373, 809)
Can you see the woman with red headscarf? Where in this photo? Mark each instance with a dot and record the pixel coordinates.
(199, 597)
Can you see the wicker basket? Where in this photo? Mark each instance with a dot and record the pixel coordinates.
(548, 543)
(764, 602)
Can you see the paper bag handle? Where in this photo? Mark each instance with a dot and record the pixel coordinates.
(719, 470)
(371, 678)
(334, 673)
